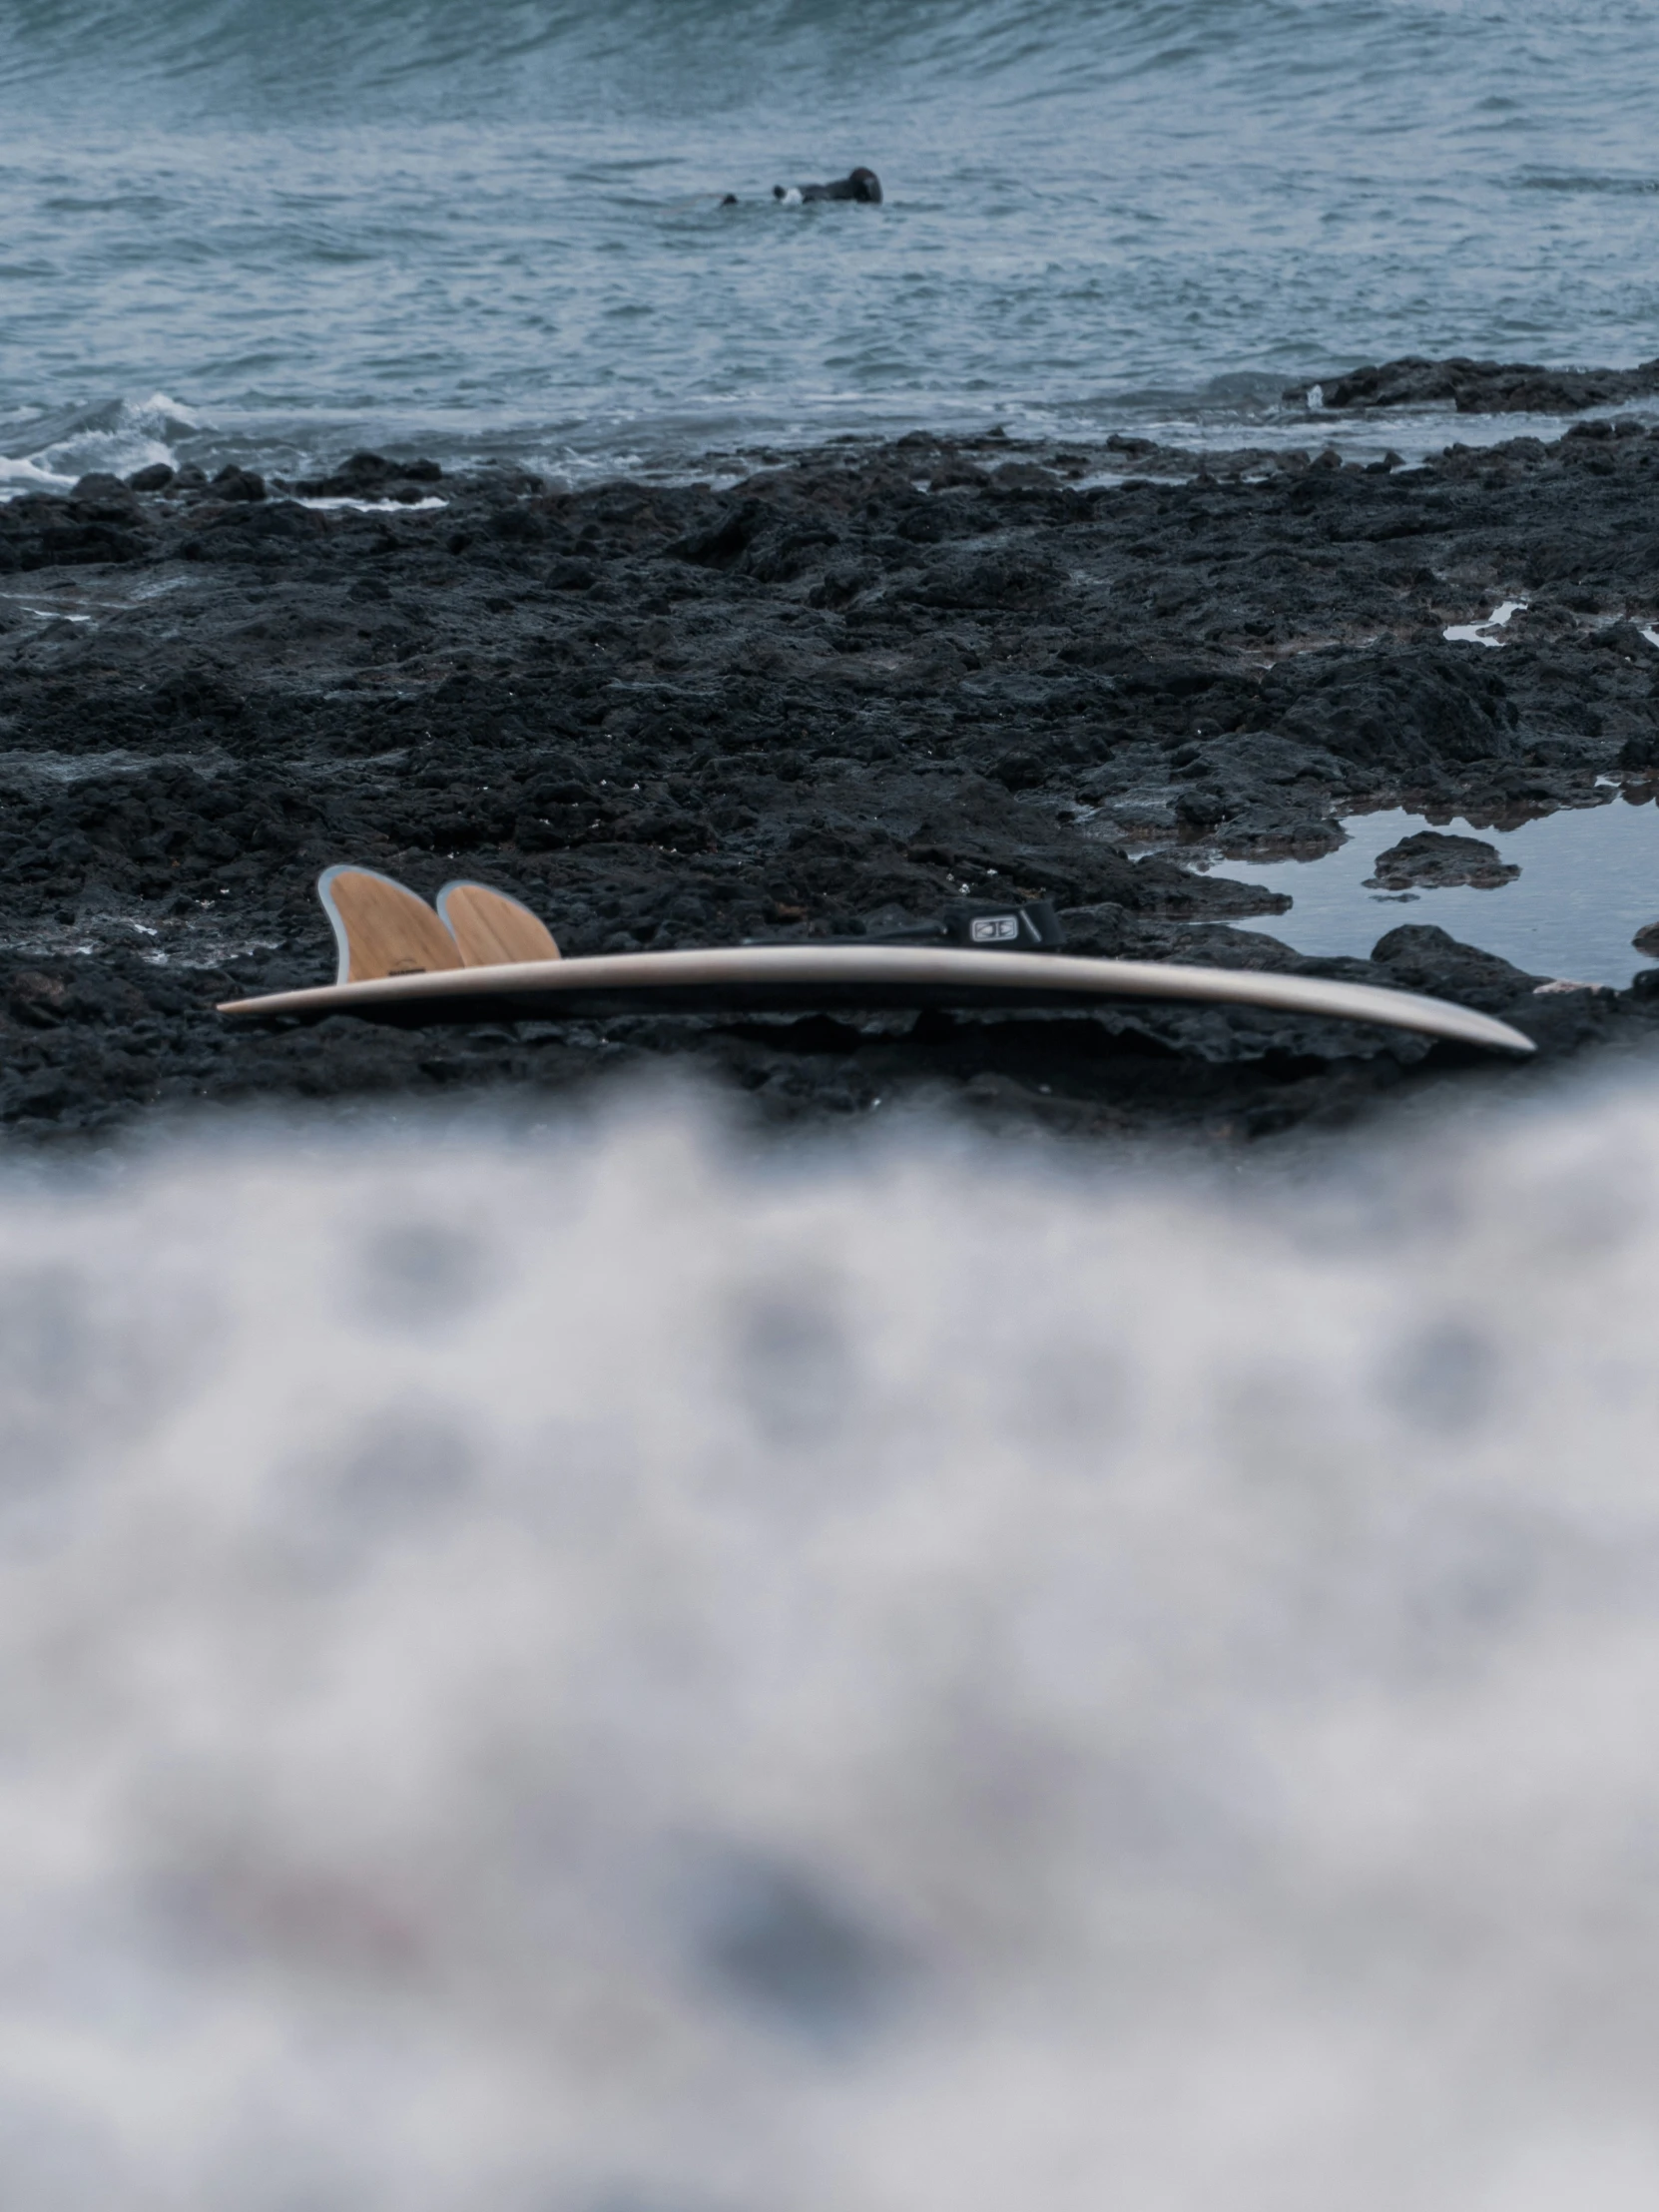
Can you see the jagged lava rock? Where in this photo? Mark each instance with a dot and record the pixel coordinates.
(1431, 861)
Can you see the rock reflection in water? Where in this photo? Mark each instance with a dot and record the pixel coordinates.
(1586, 881)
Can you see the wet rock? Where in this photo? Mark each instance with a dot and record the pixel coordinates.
(1484, 388)
(1258, 789)
(1398, 710)
(1628, 640)
(1419, 958)
(1646, 940)
(238, 483)
(371, 476)
(1431, 861)
(244, 532)
(100, 499)
(665, 715)
(156, 477)
(43, 532)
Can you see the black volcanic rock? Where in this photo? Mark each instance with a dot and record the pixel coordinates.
(1485, 387)
(371, 476)
(871, 680)
(100, 499)
(238, 483)
(1431, 861)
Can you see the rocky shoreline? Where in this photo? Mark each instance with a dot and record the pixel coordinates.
(836, 694)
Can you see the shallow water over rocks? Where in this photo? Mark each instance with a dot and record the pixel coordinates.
(1588, 881)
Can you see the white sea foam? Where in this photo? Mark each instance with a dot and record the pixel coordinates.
(376, 506)
(20, 473)
(584, 1672)
(1485, 633)
(112, 440)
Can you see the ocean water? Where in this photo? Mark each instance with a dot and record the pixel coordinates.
(570, 1669)
(234, 229)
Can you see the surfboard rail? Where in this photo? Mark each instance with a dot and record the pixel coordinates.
(750, 978)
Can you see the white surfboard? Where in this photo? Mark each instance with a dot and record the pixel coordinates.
(794, 978)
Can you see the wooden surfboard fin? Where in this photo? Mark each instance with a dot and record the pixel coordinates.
(491, 930)
(382, 928)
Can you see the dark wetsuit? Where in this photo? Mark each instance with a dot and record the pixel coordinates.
(862, 184)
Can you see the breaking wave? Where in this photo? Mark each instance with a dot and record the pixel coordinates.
(580, 1670)
(48, 452)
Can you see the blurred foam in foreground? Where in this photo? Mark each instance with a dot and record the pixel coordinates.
(586, 1674)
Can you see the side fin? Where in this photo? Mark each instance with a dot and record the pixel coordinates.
(492, 929)
(381, 928)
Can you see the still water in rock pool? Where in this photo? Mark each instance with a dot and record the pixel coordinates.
(1588, 881)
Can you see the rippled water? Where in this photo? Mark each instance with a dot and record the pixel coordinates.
(277, 233)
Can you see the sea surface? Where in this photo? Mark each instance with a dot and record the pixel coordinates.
(473, 228)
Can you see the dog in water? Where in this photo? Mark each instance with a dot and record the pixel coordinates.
(862, 184)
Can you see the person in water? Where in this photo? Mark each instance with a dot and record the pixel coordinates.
(862, 184)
